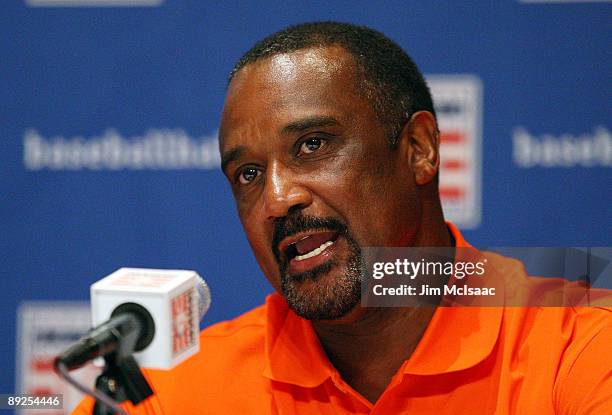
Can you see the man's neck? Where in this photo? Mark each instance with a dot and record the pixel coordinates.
(368, 346)
(368, 352)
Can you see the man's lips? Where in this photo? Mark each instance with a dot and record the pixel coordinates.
(305, 245)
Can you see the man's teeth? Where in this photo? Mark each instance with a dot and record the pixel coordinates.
(314, 252)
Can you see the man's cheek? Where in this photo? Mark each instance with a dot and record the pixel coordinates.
(267, 263)
(251, 217)
(260, 240)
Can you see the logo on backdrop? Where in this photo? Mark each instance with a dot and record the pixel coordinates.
(593, 149)
(564, 1)
(45, 328)
(94, 3)
(157, 149)
(458, 102)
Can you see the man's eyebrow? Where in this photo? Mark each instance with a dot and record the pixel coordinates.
(293, 127)
(230, 156)
(307, 123)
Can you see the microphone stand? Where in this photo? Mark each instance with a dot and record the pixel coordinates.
(121, 378)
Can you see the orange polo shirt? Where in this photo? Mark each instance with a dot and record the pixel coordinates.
(495, 360)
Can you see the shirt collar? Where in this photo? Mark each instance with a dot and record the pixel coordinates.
(293, 351)
(456, 338)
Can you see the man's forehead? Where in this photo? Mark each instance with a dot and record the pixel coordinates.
(320, 62)
(315, 65)
(290, 83)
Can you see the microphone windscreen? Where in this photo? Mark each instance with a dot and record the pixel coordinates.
(204, 298)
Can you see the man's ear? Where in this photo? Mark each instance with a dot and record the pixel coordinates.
(421, 142)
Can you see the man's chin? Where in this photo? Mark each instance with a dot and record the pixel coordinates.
(311, 276)
(323, 293)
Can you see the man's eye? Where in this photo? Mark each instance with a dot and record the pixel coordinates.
(311, 145)
(248, 174)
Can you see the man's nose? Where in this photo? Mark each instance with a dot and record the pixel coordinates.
(284, 190)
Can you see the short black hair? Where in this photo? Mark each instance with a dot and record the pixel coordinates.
(390, 79)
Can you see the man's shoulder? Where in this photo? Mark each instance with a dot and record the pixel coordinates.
(227, 371)
(584, 382)
(243, 327)
(230, 344)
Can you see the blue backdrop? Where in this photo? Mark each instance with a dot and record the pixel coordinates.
(120, 75)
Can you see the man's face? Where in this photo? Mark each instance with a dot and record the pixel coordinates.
(314, 177)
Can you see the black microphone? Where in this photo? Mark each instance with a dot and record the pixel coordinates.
(130, 328)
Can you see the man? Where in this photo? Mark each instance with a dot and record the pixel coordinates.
(330, 143)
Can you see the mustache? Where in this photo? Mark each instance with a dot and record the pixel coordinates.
(292, 224)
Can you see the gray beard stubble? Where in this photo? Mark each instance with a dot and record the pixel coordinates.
(325, 301)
